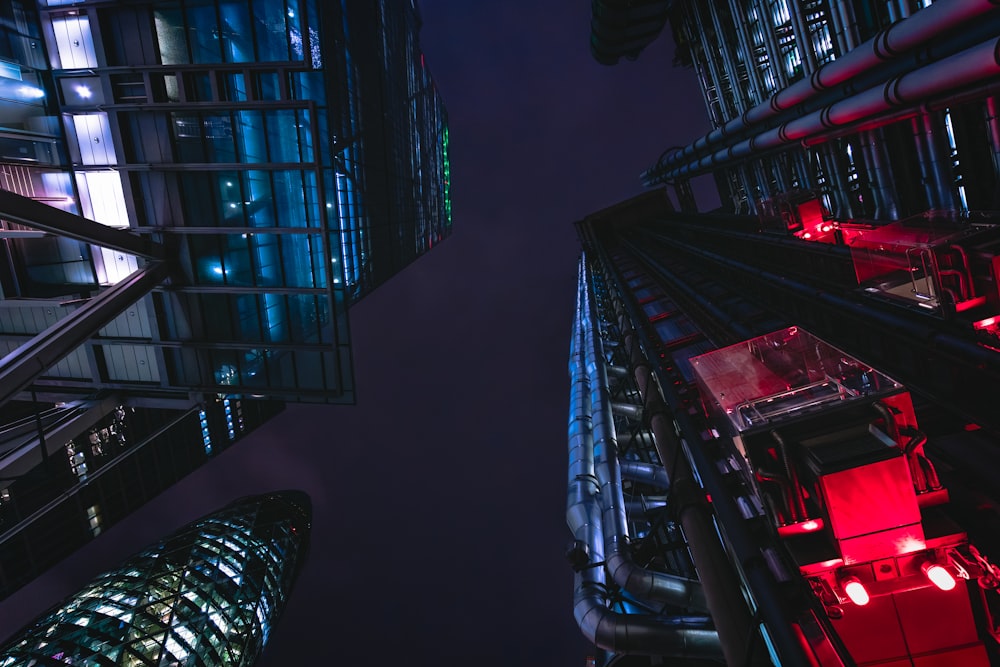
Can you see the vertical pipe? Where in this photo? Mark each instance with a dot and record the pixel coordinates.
(803, 169)
(713, 69)
(882, 167)
(762, 180)
(835, 183)
(865, 140)
(993, 124)
(719, 582)
(746, 46)
(803, 40)
(771, 44)
(748, 190)
(939, 154)
(924, 161)
(848, 34)
(728, 55)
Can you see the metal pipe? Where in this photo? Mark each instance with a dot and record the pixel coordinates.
(803, 43)
(630, 410)
(972, 66)
(939, 160)
(753, 74)
(736, 91)
(771, 44)
(605, 628)
(712, 66)
(642, 583)
(646, 505)
(924, 160)
(719, 581)
(722, 588)
(798, 503)
(638, 635)
(647, 473)
(898, 39)
(993, 123)
(847, 26)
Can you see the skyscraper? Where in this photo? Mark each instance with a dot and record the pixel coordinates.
(192, 195)
(790, 389)
(208, 594)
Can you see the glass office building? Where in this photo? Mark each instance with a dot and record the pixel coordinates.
(192, 193)
(208, 595)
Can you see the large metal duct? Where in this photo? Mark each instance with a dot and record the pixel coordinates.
(641, 635)
(970, 67)
(646, 585)
(647, 473)
(898, 39)
(620, 633)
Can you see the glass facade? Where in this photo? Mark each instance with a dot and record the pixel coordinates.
(291, 156)
(208, 595)
(287, 156)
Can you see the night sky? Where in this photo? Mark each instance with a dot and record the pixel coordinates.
(439, 499)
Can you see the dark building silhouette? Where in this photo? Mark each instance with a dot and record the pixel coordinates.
(191, 195)
(208, 594)
(782, 423)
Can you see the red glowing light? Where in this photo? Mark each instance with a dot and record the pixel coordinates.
(807, 235)
(939, 576)
(856, 591)
(811, 525)
(826, 228)
(985, 324)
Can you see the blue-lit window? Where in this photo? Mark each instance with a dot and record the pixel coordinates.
(206, 436)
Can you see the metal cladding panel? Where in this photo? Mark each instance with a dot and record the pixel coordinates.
(951, 623)
(969, 656)
(132, 323)
(852, 494)
(902, 540)
(131, 363)
(872, 633)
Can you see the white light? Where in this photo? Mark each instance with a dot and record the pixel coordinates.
(939, 576)
(856, 591)
(83, 91)
(232, 206)
(329, 205)
(336, 280)
(31, 92)
(291, 13)
(229, 184)
(217, 269)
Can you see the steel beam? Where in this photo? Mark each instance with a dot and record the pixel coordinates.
(34, 214)
(20, 368)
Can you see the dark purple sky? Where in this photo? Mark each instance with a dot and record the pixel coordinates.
(439, 498)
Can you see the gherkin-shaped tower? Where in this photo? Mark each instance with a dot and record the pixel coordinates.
(205, 596)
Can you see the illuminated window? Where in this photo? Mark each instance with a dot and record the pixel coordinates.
(94, 520)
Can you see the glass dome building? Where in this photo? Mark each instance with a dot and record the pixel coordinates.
(208, 595)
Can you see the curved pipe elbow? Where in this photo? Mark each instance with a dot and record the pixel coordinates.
(654, 586)
(641, 635)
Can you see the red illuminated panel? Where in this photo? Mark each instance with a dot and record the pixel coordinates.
(935, 620)
(872, 633)
(873, 510)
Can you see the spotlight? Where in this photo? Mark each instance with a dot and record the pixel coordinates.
(856, 591)
(938, 575)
